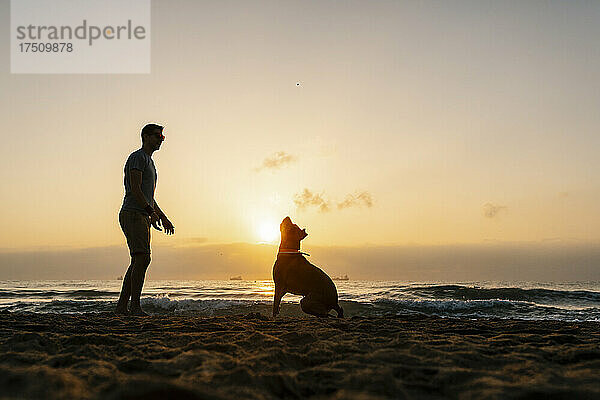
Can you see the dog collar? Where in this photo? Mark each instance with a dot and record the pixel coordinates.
(292, 251)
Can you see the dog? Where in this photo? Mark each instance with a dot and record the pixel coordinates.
(292, 273)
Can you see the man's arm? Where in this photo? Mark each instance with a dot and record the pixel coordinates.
(158, 210)
(135, 177)
(169, 228)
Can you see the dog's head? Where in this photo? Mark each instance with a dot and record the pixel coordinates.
(291, 234)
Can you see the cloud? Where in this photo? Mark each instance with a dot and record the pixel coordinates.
(276, 161)
(308, 198)
(360, 199)
(491, 210)
(194, 240)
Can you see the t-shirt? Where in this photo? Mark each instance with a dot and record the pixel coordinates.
(141, 161)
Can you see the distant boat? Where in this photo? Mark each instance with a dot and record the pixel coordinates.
(236, 278)
(120, 277)
(341, 278)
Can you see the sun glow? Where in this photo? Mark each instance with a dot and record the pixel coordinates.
(268, 232)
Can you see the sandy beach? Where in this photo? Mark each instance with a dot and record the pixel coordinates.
(102, 356)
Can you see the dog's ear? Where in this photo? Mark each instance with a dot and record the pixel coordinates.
(303, 234)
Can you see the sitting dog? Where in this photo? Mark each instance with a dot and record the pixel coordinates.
(292, 273)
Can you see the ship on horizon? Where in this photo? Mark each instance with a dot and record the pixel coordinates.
(341, 278)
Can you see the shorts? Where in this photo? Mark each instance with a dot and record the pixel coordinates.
(136, 227)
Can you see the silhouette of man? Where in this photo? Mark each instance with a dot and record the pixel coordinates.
(138, 212)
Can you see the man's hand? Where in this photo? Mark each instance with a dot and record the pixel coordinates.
(169, 228)
(155, 221)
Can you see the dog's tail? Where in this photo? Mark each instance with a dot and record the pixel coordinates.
(339, 310)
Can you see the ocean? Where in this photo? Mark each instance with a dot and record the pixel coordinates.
(566, 301)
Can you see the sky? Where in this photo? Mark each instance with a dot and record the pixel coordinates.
(376, 124)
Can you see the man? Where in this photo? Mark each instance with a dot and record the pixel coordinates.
(138, 212)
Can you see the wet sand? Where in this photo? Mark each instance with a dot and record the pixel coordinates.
(101, 356)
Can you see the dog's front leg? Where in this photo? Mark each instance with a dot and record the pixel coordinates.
(277, 300)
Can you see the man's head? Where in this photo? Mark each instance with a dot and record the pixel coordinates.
(153, 136)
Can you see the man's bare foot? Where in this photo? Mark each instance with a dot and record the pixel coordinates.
(121, 311)
(138, 312)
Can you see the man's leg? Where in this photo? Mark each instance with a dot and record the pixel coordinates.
(140, 263)
(125, 291)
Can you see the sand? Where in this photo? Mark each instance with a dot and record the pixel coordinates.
(101, 356)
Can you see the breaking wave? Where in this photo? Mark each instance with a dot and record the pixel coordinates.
(570, 302)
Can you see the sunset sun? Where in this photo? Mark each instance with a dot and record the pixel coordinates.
(267, 232)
